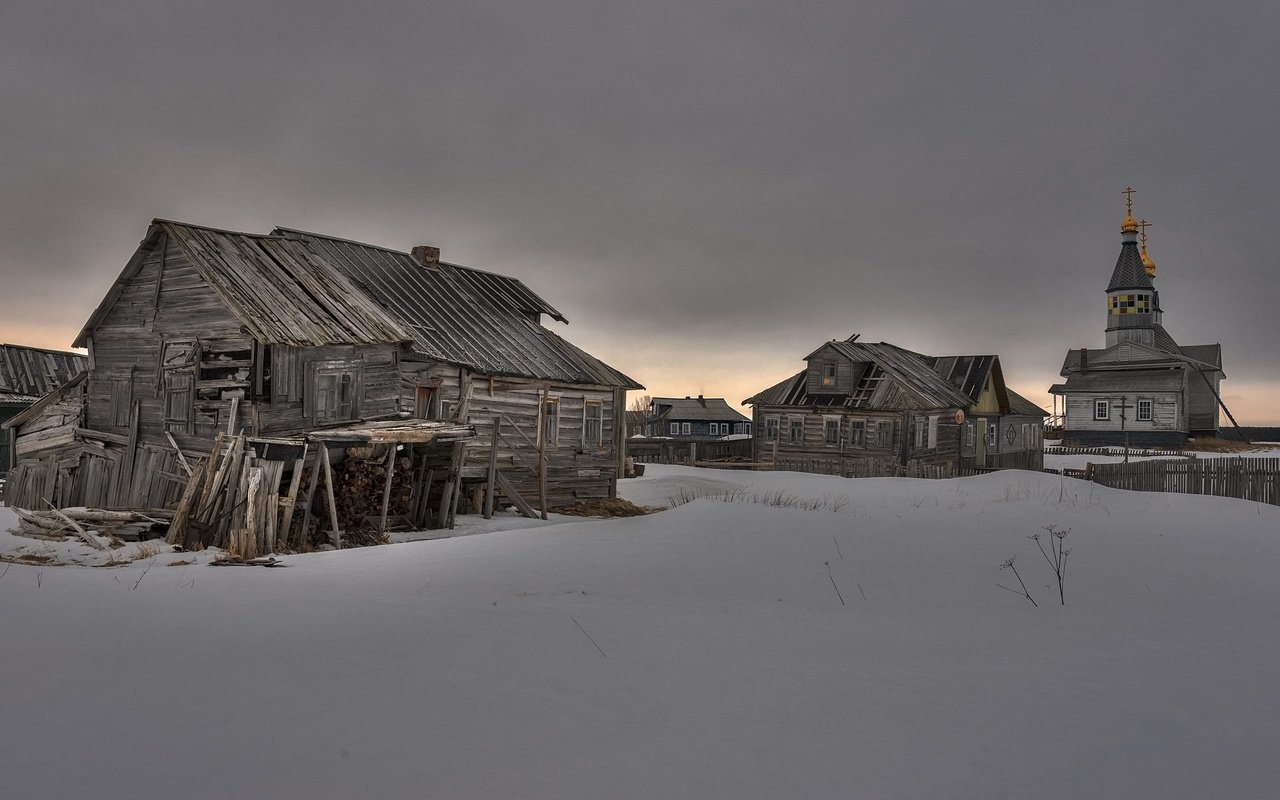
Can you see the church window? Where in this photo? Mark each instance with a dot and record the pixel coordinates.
(1101, 409)
(1145, 411)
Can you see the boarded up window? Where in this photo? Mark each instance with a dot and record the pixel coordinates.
(180, 353)
(179, 401)
(121, 399)
(592, 424)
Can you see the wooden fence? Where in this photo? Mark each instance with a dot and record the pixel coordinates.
(1256, 479)
(675, 451)
(1059, 450)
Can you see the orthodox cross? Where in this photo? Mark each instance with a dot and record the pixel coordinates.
(1143, 224)
(1128, 193)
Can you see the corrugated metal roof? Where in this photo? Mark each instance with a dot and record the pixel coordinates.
(281, 291)
(26, 373)
(464, 316)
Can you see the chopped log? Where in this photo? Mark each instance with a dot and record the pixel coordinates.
(81, 532)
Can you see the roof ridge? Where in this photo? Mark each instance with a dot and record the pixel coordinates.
(162, 221)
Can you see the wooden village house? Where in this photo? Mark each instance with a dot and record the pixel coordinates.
(861, 408)
(402, 384)
(703, 418)
(1143, 388)
(26, 374)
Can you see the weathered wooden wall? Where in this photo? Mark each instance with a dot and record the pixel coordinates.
(575, 470)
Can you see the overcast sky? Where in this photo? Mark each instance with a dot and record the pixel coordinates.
(708, 191)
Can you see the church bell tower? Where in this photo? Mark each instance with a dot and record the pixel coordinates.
(1132, 302)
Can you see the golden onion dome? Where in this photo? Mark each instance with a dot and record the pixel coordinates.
(1147, 263)
(1130, 225)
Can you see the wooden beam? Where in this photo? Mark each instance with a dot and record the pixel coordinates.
(286, 523)
(336, 534)
(386, 487)
(510, 491)
(493, 465)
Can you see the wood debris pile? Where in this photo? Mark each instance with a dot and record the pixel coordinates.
(56, 523)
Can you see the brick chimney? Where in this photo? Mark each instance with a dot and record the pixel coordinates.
(426, 255)
(1084, 359)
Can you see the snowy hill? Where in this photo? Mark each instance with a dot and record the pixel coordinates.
(727, 648)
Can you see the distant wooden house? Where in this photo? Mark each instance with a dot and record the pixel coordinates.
(694, 417)
(1143, 388)
(874, 408)
(27, 374)
(297, 339)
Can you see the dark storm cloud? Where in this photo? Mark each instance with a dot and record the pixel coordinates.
(732, 182)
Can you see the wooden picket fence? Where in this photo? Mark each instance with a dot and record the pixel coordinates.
(1256, 479)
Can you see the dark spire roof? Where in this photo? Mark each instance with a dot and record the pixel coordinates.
(1129, 272)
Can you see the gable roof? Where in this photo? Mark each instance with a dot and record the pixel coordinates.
(481, 320)
(927, 381)
(1201, 356)
(277, 287)
(712, 409)
(26, 373)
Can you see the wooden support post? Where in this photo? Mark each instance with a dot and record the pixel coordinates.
(386, 487)
(286, 524)
(493, 465)
(542, 450)
(231, 416)
(316, 466)
(248, 544)
(335, 536)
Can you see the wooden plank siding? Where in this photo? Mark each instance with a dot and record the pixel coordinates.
(576, 470)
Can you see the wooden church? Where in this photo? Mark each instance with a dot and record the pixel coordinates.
(1143, 389)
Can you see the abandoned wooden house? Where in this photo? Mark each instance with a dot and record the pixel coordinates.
(861, 408)
(291, 346)
(27, 374)
(1143, 388)
(704, 418)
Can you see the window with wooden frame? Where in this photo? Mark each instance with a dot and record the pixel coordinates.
(1146, 410)
(424, 401)
(828, 373)
(795, 426)
(831, 431)
(858, 433)
(884, 434)
(446, 410)
(714, 428)
(970, 432)
(1102, 409)
(771, 429)
(333, 392)
(918, 426)
(593, 424)
(551, 421)
(675, 429)
(686, 428)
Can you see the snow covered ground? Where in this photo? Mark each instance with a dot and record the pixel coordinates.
(727, 648)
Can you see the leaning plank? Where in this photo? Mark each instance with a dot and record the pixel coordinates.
(81, 532)
(510, 491)
(294, 482)
(336, 532)
(181, 458)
